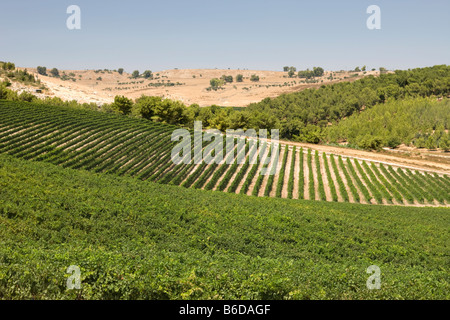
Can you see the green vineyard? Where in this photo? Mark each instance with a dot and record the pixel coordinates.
(124, 146)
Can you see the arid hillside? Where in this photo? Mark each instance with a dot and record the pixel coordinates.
(187, 85)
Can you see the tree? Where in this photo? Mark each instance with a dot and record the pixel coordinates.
(357, 69)
(444, 142)
(291, 73)
(254, 78)
(42, 70)
(145, 106)
(54, 72)
(216, 83)
(120, 70)
(363, 68)
(135, 74)
(239, 78)
(227, 79)
(122, 104)
(431, 143)
(286, 69)
(147, 74)
(8, 66)
(318, 71)
(382, 70)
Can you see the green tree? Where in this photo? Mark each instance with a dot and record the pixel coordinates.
(227, 79)
(363, 68)
(291, 73)
(122, 104)
(54, 72)
(318, 71)
(8, 66)
(216, 83)
(135, 74)
(120, 70)
(431, 142)
(444, 142)
(286, 69)
(42, 70)
(145, 106)
(239, 78)
(147, 74)
(254, 78)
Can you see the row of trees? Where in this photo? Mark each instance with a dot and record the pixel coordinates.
(147, 74)
(43, 71)
(7, 66)
(308, 74)
(217, 83)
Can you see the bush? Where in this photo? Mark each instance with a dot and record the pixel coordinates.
(254, 78)
(26, 96)
(393, 142)
(216, 83)
(369, 142)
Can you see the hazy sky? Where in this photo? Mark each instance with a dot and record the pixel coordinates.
(252, 34)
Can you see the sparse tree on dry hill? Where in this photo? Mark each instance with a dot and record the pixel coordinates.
(135, 74)
(54, 72)
(147, 74)
(42, 70)
(120, 70)
(216, 83)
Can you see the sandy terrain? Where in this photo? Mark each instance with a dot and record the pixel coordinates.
(190, 85)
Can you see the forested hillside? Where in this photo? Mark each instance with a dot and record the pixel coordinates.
(302, 115)
(421, 122)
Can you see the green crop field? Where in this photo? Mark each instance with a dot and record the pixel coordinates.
(143, 240)
(138, 148)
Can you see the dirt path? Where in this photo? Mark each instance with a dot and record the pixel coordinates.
(326, 183)
(277, 173)
(287, 173)
(305, 175)
(316, 181)
(296, 174)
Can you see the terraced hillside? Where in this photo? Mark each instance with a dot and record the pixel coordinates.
(102, 142)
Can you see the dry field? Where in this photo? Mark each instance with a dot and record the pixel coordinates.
(190, 85)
